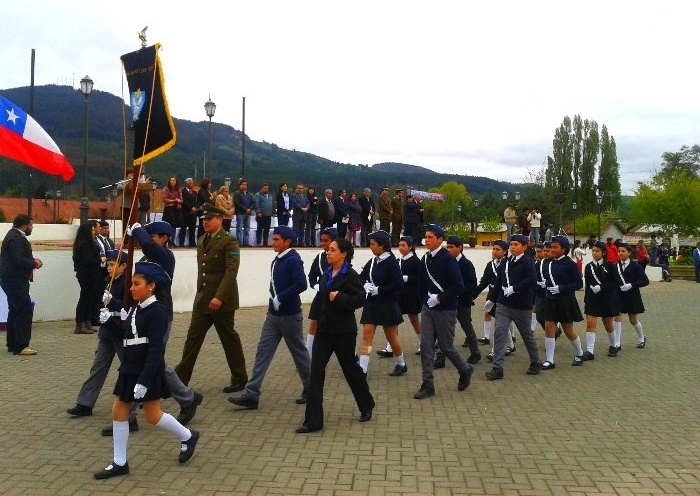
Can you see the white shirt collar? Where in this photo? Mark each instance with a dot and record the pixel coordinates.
(436, 250)
(408, 255)
(384, 255)
(147, 301)
(280, 255)
(459, 257)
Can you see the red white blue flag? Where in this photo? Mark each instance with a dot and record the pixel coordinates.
(24, 140)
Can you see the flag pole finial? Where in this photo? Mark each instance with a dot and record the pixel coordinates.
(142, 37)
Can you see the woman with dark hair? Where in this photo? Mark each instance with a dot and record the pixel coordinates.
(283, 205)
(172, 206)
(141, 373)
(341, 294)
(383, 283)
(601, 298)
(355, 222)
(311, 217)
(87, 264)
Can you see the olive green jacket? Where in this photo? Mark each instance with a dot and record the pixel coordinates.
(217, 272)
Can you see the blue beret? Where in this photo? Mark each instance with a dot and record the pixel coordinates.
(120, 257)
(547, 244)
(154, 272)
(438, 231)
(454, 240)
(330, 231)
(519, 238)
(408, 240)
(625, 246)
(601, 245)
(159, 227)
(501, 243)
(286, 232)
(562, 240)
(379, 236)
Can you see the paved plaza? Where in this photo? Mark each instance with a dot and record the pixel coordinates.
(624, 425)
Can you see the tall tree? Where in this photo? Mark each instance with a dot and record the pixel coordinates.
(577, 146)
(609, 171)
(561, 163)
(587, 171)
(686, 162)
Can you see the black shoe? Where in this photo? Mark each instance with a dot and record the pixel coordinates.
(245, 401)
(474, 358)
(494, 374)
(234, 388)
(465, 378)
(189, 447)
(418, 352)
(642, 343)
(489, 356)
(465, 344)
(109, 431)
(577, 361)
(484, 341)
(424, 392)
(304, 429)
(398, 370)
(80, 411)
(187, 412)
(112, 470)
(385, 354)
(301, 400)
(587, 356)
(439, 363)
(547, 366)
(366, 417)
(510, 350)
(534, 368)
(612, 351)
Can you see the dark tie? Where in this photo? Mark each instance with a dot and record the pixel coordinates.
(206, 239)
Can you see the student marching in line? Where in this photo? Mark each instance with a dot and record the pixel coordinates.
(488, 279)
(632, 277)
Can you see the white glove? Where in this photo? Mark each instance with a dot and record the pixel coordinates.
(276, 303)
(405, 278)
(139, 391)
(106, 297)
(626, 287)
(595, 289)
(374, 291)
(488, 306)
(433, 300)
(104, 315)
(131, 228)
(370, 288)
(542, 284)
(123, 314)
(315, 287)
(554, 289)
(507, 291)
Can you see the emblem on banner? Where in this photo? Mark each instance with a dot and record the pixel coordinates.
(138, 100)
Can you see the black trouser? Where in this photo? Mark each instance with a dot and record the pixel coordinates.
(343, 345)
(91, 288)
(188, 222)
(19, 314)
(464, 317)
(262, 233)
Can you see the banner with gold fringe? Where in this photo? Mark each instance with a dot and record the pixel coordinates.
(154, 131)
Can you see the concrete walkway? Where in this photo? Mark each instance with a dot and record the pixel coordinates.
(625, 425)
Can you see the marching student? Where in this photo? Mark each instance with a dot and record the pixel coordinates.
(409, 299)
(382, 283)
(542, 257)
(318, 267)
(560, 305)
(498, 251)
(465, 299)
(632, 277)
(141, 373)
(601, 298)
(514, 285)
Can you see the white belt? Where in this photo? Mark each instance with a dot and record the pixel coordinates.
(135, 341)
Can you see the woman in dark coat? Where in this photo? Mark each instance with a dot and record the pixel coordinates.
(601, 298)
(355, 222)
(311, 217)
(383, 283)
(341, 294)
(318, 267)
(87, 263)
(141, 373)
(172, 205)
(632, 277)
(411, 217)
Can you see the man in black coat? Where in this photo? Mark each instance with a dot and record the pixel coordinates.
(190, 211)
(16, 266)
(368, 209)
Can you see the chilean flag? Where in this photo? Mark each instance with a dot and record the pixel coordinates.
(24, 140)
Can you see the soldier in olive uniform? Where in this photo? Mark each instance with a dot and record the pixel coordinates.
(216, 301)
(384, 210)
(397, 204)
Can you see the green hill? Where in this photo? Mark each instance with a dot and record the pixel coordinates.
(59, 110)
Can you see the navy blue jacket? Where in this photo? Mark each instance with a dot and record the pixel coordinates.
(488, 279)
(444, 269)
(563, 272)
(16, 259)
(466, 268)
(146, 360)
(289, 282)
(521, 276)
(112, 330)
(386, 275)
(318, 266)
(161, 255)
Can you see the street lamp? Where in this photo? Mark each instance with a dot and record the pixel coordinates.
(574, 206)
(227, 182)
(475, 221)
(210, 109)
(599, 200)
(85, 88)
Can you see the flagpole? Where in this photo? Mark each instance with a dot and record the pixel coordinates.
(31, 112)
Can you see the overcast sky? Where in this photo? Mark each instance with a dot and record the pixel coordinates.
(473, 88)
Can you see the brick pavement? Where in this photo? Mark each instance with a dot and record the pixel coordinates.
(625, 425)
